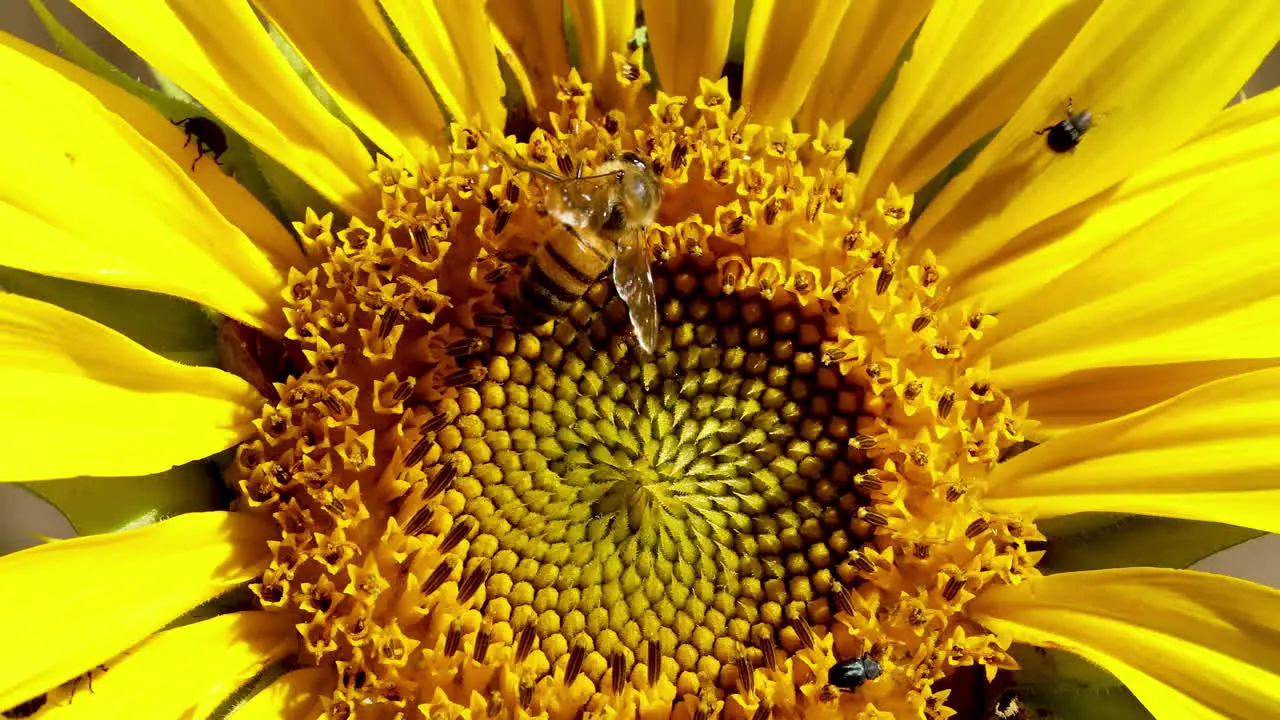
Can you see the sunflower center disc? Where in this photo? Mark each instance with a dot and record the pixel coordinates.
(694, 502)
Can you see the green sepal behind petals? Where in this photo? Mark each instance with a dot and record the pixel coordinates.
(173, 327)
(103, 505)
(1066, 526)
(308, 77)
(1110, 704)
(1142, 541)
(1057, 684)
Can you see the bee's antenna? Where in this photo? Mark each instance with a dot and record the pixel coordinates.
(516, 162)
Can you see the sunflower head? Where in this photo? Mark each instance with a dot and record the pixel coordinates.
(783, 494)
(627, 398)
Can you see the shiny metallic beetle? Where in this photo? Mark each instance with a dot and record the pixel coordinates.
(851, 673)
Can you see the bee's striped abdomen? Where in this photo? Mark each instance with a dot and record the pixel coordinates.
(559, 273)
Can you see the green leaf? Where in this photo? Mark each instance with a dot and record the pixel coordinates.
(170, 89)
(177, 329)
(303, 71)
(859, 131)
(926, 194)
(235, 600)
(1063, 527)
(245, 692)
(103, 505)
(1112, 704)
(738, 35)
(1058, 670)
(290, 196)
(1142, 541)
(1057, 684)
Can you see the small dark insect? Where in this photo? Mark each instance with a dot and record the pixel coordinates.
(28, 708)
(36, 704)
(1066, 135)
(851, 673)
(210, 140)
(1008, 707)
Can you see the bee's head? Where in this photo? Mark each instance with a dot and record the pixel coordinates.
(634, 159)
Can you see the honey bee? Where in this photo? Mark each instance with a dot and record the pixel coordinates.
(604, 216)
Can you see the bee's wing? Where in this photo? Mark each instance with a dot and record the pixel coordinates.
(634, 280)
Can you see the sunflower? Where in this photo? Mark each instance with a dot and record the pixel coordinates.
(1039, 284)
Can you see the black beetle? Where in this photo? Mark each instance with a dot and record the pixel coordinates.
(1065, 136)
(210, 140)
(851, 673)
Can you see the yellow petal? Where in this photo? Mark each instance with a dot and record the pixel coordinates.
(82, 399)
(785, 48)
(1099, 394)
(1153, 73)
(295, 696)
(603, 27)
(451, 42)
(186, 672)
(689, 40)
(230, 198)
(1188, 644)
(962, 82)
(218, 51)
(72, 604)
(1207, 454)
(1194, 283)
(533, 43)
(872, 34)
(350, 49)
(1226, 152)
(93, 200)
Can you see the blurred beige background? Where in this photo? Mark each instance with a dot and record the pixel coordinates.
(22, 515)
